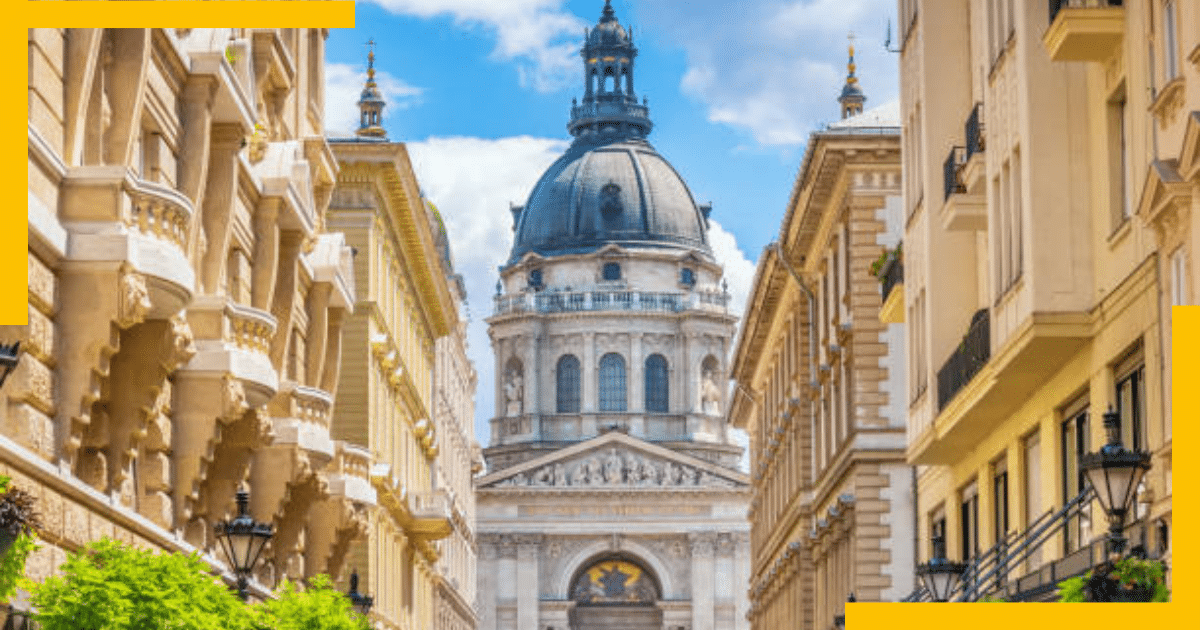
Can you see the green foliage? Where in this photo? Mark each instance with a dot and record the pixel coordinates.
(992, 599)
(16, 517)
(1071, 590)
(1150, 574)
(1129, 572)
(111, 586)
(886, 256)
(319, 607)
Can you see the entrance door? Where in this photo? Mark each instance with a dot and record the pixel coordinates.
(616, 617)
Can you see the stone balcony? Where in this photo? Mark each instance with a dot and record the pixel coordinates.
(1084, 30)
(964, 208)
(349, 473)
(300, 417)
(235, 339)
(431, 514)
(144, 227)
(552, 301)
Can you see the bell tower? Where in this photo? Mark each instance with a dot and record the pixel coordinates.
(370, 103)
(610, 107)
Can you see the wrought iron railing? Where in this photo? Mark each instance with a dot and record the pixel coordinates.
(966, 361)
(1058, 5)
(891, 275)
(950, 171)
(974, 131)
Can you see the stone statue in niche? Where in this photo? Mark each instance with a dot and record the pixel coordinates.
(514, 393)
(560, 475)
(614, 468)
(710, 394)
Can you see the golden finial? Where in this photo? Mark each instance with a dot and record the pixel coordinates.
(850, 78)
(371, 60)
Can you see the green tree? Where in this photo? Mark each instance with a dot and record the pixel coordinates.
(17, 540)
(111, 586)
(318, 607)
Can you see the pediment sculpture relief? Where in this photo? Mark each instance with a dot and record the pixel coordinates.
(617, 468)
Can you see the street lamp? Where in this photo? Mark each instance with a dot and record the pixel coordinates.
(839, 621)
(359, 602)
(1115, 473)
(9, 355)
(242, 540)
(939, 575)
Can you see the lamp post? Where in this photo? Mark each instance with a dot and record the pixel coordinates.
(839, 621)
(9, 355)
(1115, 473)
(939, 575)
(242, 540)
(359, 602)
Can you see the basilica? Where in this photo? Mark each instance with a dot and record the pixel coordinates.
(612, 496)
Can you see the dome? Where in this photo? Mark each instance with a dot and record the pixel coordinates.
(620, 192)
(608, 32)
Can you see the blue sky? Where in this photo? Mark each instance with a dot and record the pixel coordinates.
(480, 92)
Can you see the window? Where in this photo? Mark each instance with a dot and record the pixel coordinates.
(567, 384)
(612, 271)
(1178, 278)
(1000, 497)
(687, 276)
(612, 382)
(657, 386)
(1031, 470)
(969, 520)
(1170, 43)
(1131, 402)
(1074, 443)
(1119, 170)
(937, 527)
(535, 279)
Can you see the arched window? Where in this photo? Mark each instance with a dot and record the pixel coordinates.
(567, 381)
(657, 387)
(612, 382)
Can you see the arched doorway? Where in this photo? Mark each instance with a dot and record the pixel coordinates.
(615, 592)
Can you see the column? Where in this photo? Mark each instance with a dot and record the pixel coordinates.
(726, 580)
(532, 402)
(702, 579)
(528, 586)
(506, 581)
(741, 575)
(637, 377)
(487, 568)
(589, 369)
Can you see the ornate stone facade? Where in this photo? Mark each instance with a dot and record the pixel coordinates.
(821, 379)
(388, 397)
(185, 301)
(612, 498)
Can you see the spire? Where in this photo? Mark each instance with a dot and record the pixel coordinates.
(609, 109)
(370, 102)
(852, 97)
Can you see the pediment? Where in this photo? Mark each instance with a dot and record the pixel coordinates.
(615, 460)
(1164, 194)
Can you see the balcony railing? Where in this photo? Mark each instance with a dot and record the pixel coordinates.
(1058, 5)
(966, 361)
(16, 620)
(974, 131)
(584, 301)
(950, 171)
(891, 275)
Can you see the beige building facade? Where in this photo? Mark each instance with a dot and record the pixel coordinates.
(1050, 170)
(185, 299)
(387, 398)
(819, 385)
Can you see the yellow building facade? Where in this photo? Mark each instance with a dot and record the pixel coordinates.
(185, 299)
(819, 386)
(386, 398)
(1049, 173)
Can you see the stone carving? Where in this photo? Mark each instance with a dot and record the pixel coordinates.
(234, 398)
(514, 393)
(710, 394)
(135, 299)
(617, 467)
(183, 346)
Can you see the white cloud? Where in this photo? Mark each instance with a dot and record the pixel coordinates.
(472, 181)
(739, 271)
(539, 35)
(774, 68)
(344, 82)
